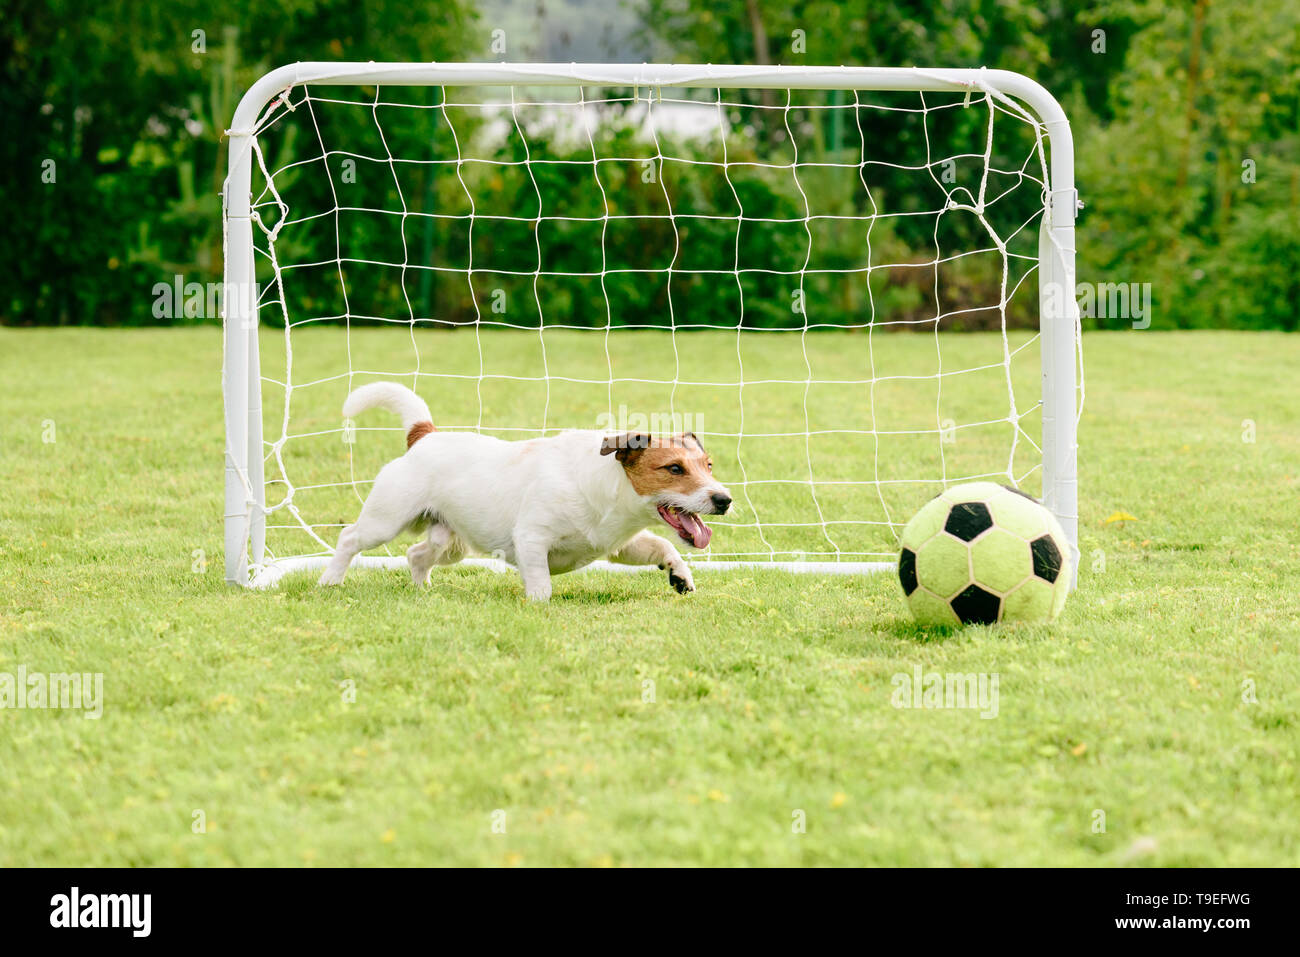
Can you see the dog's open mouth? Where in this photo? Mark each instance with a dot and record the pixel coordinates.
(688, 525)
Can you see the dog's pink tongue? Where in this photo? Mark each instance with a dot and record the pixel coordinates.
(699, 532)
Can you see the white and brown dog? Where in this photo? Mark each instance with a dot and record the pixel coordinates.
(547, 505)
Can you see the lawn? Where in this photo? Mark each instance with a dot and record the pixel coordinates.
(1156, 723)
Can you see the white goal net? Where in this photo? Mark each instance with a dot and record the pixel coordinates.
(854, 286)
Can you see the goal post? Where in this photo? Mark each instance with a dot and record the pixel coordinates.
(265, 228)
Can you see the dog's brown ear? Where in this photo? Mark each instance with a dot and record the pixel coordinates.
(624, 445)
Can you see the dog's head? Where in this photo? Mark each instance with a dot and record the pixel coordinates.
(675, 476)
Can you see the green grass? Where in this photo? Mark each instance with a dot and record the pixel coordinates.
(772, 693)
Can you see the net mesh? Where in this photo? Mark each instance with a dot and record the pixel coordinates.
(783, 273)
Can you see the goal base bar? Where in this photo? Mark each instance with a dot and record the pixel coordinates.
(269, 575)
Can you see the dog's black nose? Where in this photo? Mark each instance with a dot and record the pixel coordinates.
(721, 502)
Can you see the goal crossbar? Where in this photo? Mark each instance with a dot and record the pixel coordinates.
(246, 560)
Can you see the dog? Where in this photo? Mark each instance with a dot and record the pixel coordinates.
(547, 505)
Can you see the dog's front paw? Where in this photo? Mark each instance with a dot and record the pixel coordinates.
(680, 578)
(538, 593)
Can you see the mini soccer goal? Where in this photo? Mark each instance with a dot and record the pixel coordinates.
(854, 285)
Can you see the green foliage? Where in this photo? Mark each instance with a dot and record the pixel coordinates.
(1185, 119)
(1168, 100)
(634, 222)
(131, 106)
(1194, 186)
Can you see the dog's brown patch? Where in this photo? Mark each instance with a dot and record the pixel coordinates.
(418, 431)
(649, 462)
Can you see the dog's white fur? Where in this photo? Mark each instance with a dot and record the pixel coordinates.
(547, 505)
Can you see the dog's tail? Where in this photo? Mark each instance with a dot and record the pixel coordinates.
(397, 399)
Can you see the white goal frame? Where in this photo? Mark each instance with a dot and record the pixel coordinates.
(245, 489)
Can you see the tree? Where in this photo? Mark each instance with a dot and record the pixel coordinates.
(114, 115)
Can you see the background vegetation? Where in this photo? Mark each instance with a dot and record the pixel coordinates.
(1186, 117)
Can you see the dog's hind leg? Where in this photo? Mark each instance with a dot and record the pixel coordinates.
(376, 525)
(441, 547)
(646, 548)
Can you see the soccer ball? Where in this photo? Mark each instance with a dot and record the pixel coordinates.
(981, 553)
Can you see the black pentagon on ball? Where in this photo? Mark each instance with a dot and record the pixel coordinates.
(968, 520)
(975, 606)
(1047, 558)
(907, 570)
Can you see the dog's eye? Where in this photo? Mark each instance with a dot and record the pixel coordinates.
(710, 466)
(676, 469)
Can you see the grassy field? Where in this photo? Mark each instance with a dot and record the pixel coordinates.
(622, 724)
